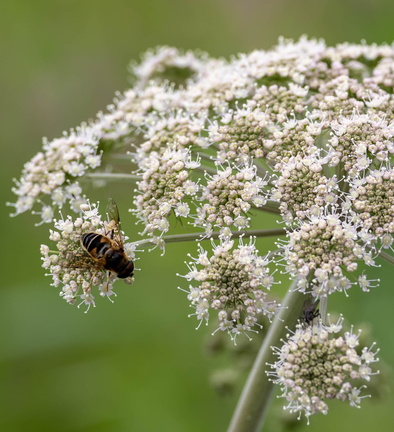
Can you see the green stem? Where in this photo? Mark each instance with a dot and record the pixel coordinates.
(205, 168)
(121, 156)
(323, 307)
(255, 399)
(113, 176)
(261, 170)
(387, 257)
(204, 156)
(270, 207)
(176, 238)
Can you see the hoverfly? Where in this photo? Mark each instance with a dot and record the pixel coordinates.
(107, 251)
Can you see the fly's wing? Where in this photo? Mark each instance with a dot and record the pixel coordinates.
(112, 211)
(114, 222)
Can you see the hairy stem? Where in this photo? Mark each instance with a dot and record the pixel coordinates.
(255, 399)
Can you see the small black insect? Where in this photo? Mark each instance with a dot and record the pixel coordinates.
(310, 311)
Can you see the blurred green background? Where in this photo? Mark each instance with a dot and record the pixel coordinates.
(138, 364)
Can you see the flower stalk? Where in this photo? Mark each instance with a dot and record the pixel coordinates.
(387, 257)
(257, 393)
(178, 238)
(112, 176)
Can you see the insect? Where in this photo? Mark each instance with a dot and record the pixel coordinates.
(107, 250)
(309, 311)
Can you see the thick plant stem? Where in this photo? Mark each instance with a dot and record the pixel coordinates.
(256, 396)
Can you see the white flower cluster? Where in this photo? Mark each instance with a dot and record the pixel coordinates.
(53, 172)
(233, 283)
(179, 129)
(370, 203)
(165, 187)
(325, 249)
(360, 141)
(70, 266)
(302, 190)
(228, 197)
(165, 61)
(316, 364)
(303, 131)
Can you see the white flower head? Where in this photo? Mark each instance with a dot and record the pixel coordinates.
(72, 267)
(325, 249)
(164, 188)
(233, 284)
(228, 196)
(52, 172)
(316, 364)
